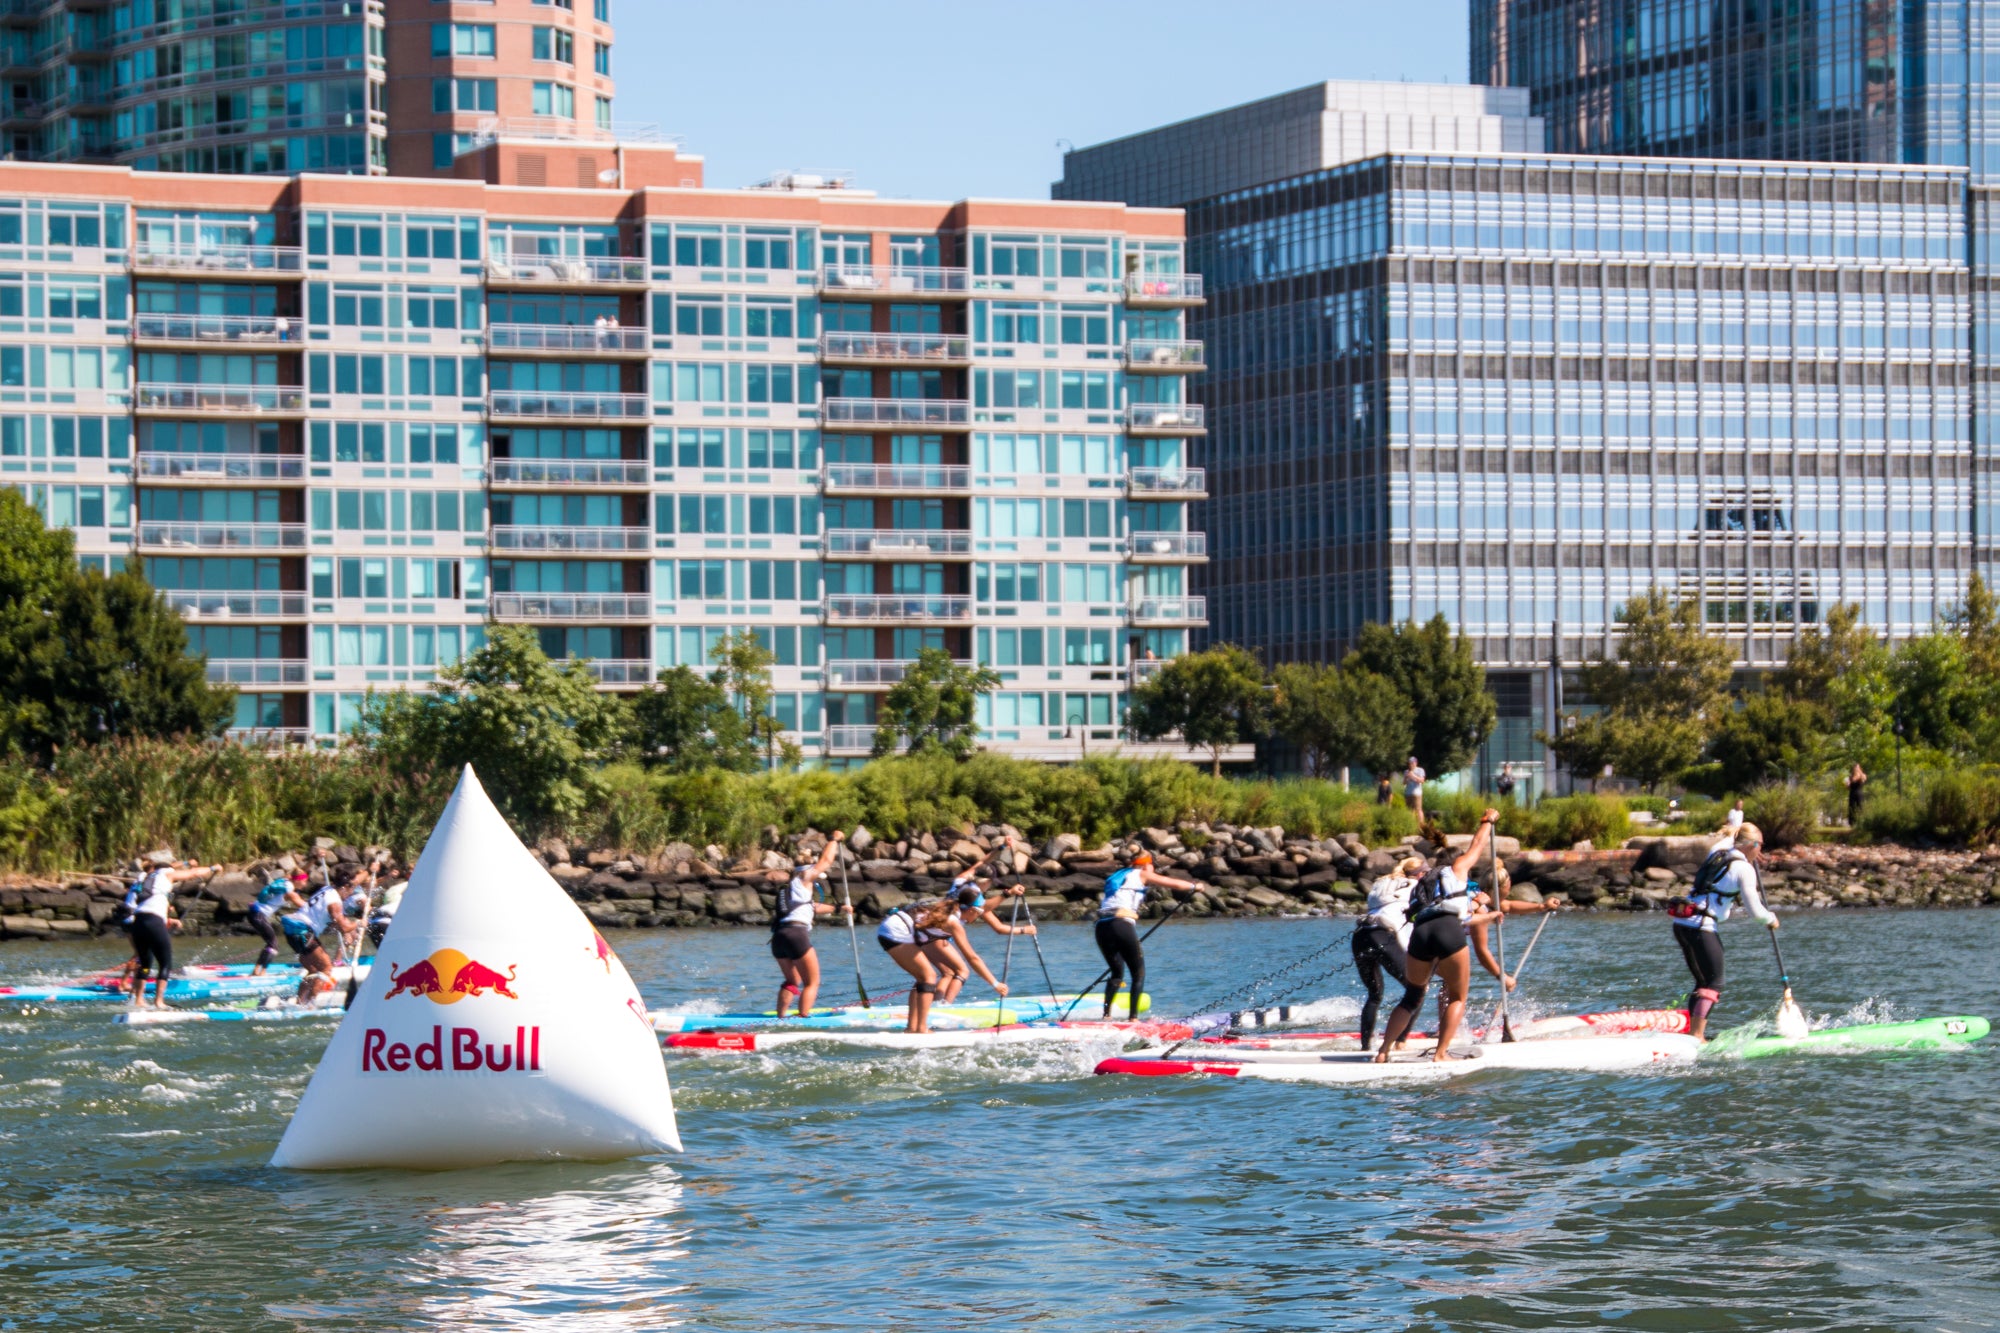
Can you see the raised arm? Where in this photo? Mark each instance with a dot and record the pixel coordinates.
(824, 862)
(1463, 864)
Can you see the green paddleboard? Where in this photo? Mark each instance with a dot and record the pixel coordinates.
(1923, 1034)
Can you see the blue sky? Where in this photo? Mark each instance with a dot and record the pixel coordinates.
(940, 99)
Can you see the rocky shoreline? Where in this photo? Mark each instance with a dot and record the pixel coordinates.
(1242, 872)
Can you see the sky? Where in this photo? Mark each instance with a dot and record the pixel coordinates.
(945, 99)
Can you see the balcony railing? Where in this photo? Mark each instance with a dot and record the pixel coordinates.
(526, 538)
(854, 740)
(222, 467)
(219, 258)
(559, 128)
(1166, 547)
(895, 281)
(1144, 669)
(570, 472)
(1163, 356)
(895, 348)
(564, 606)
(621, 670)
(279, 330)
(868, 673)
(567, 270)
(931, 413)
(863, 478)
(257, 670)
(270, 738)
(1163, 289)
(1177, 483)
(1166, 418)
(565, 338)
(220, 398)
(223, 536)
(895, 544)
(195, 604)
(915, 609)
(539, 406)
(1169, 611)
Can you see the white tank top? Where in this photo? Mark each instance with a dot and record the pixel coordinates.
(1456, 902)
(795, 904)
(1124, 891)
(317, 914)
(1389, 903)
(156, 895)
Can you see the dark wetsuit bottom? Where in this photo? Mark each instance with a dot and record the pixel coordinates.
(1118, 941)
(152, 944)
(261, 923)
(1376, 950)
(1702, 950)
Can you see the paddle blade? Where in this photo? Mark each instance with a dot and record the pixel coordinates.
(1791, 1019)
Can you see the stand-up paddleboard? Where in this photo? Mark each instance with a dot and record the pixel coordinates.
(1018, 1034)
(1923, 1034)
(498, 1026)
(327, 1004)
(194, 987)
(1584, 1054)
(1603, 1025)
(963, 1013)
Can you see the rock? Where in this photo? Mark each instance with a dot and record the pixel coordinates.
(733, 903)
(323, 845)
(1159, 839)
(1377, 864)
(861, 839)
(776, 861)
(1047, 866)
(347, 854)
(882, 872)
(1672, 853)
(1505, 846)
(965, 853)
(68, 927)
(1263, 897)
(669, 856)
(568, 875)
(233, 889)
(928, 844)
(17, 927)
(1524, 893)
(880, 902)
(1660, 875)
(1584, 846)
(704, 868)
(1063, 844)
(715, 854)
(1348, 891)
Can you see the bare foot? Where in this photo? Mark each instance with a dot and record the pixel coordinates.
(1382, 1056)
(1441, 1055)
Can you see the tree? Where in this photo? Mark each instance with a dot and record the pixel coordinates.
(1338, 717)
(1771, 737)
(1434, 669)
(686, 723)
(1936, 703)
(535, 731)
(743, 672)
(934, 707)
(1214, 699)
(1844, 668)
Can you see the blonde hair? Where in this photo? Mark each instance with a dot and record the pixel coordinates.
(1410, 866)
(1748, 834)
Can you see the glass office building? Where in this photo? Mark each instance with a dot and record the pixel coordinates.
(349, 424)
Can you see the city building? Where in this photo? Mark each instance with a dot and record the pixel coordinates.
(254, 87)
(1517, 388)
(349, 422)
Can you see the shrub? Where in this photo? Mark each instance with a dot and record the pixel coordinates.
(1787, 816)
(1564, 821)
(1963, 807)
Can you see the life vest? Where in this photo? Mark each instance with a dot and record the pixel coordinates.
(1714, 887)
(1433, 897)
(1124, 892)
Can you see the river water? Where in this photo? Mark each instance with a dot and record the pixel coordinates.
(1010, 1189)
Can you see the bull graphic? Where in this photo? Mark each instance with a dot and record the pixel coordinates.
(419, 979)
(475, 978)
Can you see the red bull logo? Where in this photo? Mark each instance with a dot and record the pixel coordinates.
(604, 954)
(448, 976)
(466, 1049)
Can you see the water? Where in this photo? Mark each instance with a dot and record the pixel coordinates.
(1010, 1189)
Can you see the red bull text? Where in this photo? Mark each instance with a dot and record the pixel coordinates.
(466, 1049)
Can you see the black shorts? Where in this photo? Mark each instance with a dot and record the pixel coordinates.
(889, 945)
(299, 938)
(1437, 939)
(791, 941)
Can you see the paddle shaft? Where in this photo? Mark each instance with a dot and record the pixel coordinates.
(1007, 962)
(1178, 904)
(1036, 939)
(853, 944)
(1499, 931)
(1784, 974)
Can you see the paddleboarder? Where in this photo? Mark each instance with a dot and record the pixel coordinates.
(791, 930)
(1118, 930)
(905, 935)
(1502, 902)
(264, 909)
(952, 951)
(309, 919)
(1727, 877)
(153, 920)
(1382, 937)
(1442, 907)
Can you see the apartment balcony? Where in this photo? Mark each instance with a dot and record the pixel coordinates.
(270, 738)
(231, 400)
(251, 605)
(895, 349)
(895, 479)
(927, 414)
(175, 536)
(589, 271)
(864, 282)
(1166, 419)
(218, 260)
(1167, 548)
(1167, 611)
(570, 608)
(854, 741)
(1144, 669)
(533, 405)
(258, 670)
(866, 674)
(897, 544)
(221, 469)
(621, 670)
(1162, 291)
(1166, 483)
(570, 473)
(207, 331)
(893, 609)
(570, 540)
(567, 340)
(1164, 356)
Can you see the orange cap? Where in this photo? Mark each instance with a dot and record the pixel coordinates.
(1143, 859)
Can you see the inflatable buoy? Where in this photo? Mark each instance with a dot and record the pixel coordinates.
(496, 1026)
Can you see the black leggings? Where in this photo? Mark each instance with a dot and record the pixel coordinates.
(1118, 941)
(1377, 950)
(1702, 950)
(261, 922)
(152, 945)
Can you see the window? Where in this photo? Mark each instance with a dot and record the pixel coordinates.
(555, 44)
(559, 4)
(601, 9)
(696, 247)
(603, 113)
(700, 316)
(462, 39)
(464, 94)
(767, 249)
(768, 319)
(555, 99)
(600, 59)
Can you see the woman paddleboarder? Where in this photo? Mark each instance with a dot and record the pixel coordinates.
(952, 950)
(791, 930)
(908, 935)
(1118, 930)
(1382, 937)
(1442, 906)
(1728, 876)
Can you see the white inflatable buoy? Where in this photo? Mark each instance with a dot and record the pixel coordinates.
(496, 1026)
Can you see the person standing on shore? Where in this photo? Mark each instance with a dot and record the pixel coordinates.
(1857, 789)
(1503, 786)
(791, 930)
(1385, 790)
(1413, 788)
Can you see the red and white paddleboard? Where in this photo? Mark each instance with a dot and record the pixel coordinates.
(1012, 1034)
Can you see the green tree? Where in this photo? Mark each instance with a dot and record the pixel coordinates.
(1213, 699)
(1936, 701)
(685, 723)
(1435, 670)
(536, 732)
(1770, 737)
(1844, 668)
(1341, 716)
(743, 671)
(934, 707)
(1585, 744)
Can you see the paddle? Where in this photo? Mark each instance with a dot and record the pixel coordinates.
(1178, 904)
(1791, 1019)
(1007, 962)
(1526, 954)
(853, 944)
(1036, 938)
(1499, 929)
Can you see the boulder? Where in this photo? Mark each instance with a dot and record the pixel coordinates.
(1063, 844)
(1263, 897)
(28, 927)
(879, 902)
(861, 839)
(1159, 839)
(776, 861)
(233, 889)
(733, 903)
(1348, 891)
(704, 868)
(1379, 863)
(669, 856)
(882, 872)
(1660, 875)
(1672, 853)
(570, 876)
